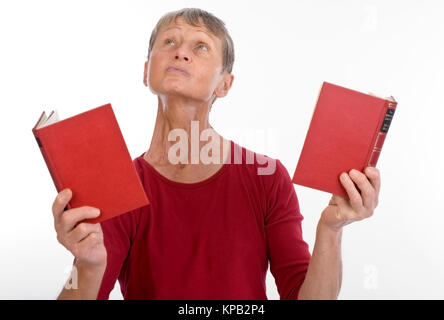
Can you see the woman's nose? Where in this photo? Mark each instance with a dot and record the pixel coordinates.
(180, 57)
(182, 53)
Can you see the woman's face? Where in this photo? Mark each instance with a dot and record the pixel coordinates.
(186, 61)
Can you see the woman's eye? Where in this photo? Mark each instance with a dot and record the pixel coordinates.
(169, 42)
(202, 46)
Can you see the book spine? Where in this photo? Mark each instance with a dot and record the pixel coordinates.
(380, 138)
(48, 162)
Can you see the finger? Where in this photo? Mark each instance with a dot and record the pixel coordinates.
(375, 178)
(343, 214)
(60, 202)
(90, 241)
(82, 230)
(70, 218)
(346, 212)
(81, 248)
(366, 188)
(353, 194)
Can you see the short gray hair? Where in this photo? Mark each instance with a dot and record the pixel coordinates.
(197, 17)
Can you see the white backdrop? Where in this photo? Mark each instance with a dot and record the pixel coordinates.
(73, 56)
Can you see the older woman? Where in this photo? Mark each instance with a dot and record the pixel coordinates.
(211, 227)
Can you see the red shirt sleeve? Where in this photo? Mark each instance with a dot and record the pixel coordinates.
(118, 234)
(287, 251)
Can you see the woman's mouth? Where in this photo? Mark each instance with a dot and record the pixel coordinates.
(178, 70)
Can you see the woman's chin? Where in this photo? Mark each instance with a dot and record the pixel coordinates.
(176, 92)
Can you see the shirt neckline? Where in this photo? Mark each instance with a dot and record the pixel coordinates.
(193, 184)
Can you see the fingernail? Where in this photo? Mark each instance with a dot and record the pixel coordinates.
(95, 211)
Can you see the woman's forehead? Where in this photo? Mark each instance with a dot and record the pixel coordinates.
(180, 23)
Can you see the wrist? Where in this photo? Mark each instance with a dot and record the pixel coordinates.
(331, 234)
(88, 269)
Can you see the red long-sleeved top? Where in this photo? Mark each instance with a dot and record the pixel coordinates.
(209, 240)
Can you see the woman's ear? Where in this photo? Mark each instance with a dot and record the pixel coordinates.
(224, 86)
(145, 74)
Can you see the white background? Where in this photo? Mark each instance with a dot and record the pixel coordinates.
(73, 56)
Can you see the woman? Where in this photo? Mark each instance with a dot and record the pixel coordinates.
(211, 227)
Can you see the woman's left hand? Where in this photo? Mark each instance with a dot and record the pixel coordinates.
(360, 205)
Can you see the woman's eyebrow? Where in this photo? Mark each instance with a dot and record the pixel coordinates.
(172, 28)
(206, 33)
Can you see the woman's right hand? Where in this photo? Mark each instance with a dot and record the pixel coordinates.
(83, 240)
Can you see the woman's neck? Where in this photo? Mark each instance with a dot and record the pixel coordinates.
(188, 120)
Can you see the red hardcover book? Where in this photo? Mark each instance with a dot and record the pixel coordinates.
(347, 131)
(87, 153)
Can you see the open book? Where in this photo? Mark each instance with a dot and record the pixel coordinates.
(45, 121)
(87, 154)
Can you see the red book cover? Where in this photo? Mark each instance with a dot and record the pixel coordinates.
(347, 131)
(87, 153)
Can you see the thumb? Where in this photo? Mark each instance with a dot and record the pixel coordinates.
(62, 199)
